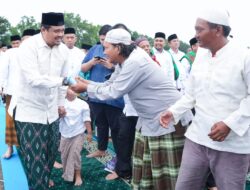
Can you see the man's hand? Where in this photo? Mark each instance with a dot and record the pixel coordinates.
(107, 64)
(61, 111)
(219, 131)
(80, 86)
(82, 80)
(166, 118)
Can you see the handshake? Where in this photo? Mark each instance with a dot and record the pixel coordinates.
(78, 85)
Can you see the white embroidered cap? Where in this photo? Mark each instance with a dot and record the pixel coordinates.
(215, 15)
(116, 36)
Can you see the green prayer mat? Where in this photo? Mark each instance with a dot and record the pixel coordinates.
(93, 175)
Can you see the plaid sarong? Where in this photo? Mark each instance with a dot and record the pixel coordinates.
(10, 132)
(156, 160)
(38, 149)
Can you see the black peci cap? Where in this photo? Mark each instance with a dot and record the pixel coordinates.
(53, 19)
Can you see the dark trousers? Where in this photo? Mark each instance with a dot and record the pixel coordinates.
(106, 117)
(125, 143)
(210, 181)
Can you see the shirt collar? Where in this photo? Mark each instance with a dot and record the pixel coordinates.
(221, 50)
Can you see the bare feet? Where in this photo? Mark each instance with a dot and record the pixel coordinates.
(51, 183)
(213, 188)
(57, 165)
(97, 153)
(78, 179)
(111, 176)
(8, 152)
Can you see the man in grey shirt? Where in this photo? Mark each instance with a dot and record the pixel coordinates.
(157, 150)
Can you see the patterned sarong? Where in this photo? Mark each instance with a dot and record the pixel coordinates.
(38, 149)
(10, 132)
(156, 160)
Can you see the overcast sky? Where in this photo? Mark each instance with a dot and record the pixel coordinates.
(143, 16)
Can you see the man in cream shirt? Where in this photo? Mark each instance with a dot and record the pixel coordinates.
(218, 88)
(43, 62)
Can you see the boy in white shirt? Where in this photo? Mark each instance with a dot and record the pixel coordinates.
(72, 128)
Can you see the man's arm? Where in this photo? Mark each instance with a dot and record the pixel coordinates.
(239, 120)
(4, 65)
(118, 85)
(62, 89)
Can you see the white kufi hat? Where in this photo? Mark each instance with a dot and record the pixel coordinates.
(116, 36)
(215, 15)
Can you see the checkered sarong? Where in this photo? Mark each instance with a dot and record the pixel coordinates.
(10, 132)
(38, 149)
(156, 160)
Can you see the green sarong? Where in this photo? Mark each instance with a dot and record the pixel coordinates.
(38, 148)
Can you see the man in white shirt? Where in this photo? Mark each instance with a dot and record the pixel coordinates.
(176, 54)
(218, 88)
(44, 65)
(8, 73)
(76, 56)
(188, 59)
(162, 56)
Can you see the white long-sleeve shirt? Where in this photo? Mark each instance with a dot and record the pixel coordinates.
(9, 71)
(77, 112)
(76, 57)
(41, 73)
(219, 89)
(180, 82)
(166, 63)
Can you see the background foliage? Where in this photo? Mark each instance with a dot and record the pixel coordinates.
(86, 32)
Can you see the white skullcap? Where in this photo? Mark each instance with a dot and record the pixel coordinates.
(116, 36)
(215, 15)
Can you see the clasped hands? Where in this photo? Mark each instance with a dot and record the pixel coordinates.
(219, 130)
(80, 86)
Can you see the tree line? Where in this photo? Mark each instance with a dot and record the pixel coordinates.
(86, 32)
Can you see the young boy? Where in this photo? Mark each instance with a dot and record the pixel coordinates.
(72, 128)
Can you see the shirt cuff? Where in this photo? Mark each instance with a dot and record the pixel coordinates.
(91, 90)
(60, 81)
(175, 116)
(237, 124)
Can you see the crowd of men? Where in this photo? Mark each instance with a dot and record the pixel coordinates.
(177, 120)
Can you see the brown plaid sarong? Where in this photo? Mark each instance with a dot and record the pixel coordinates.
(10, 132)
(156, 160)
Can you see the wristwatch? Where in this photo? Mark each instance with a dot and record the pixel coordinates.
(65, 81)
